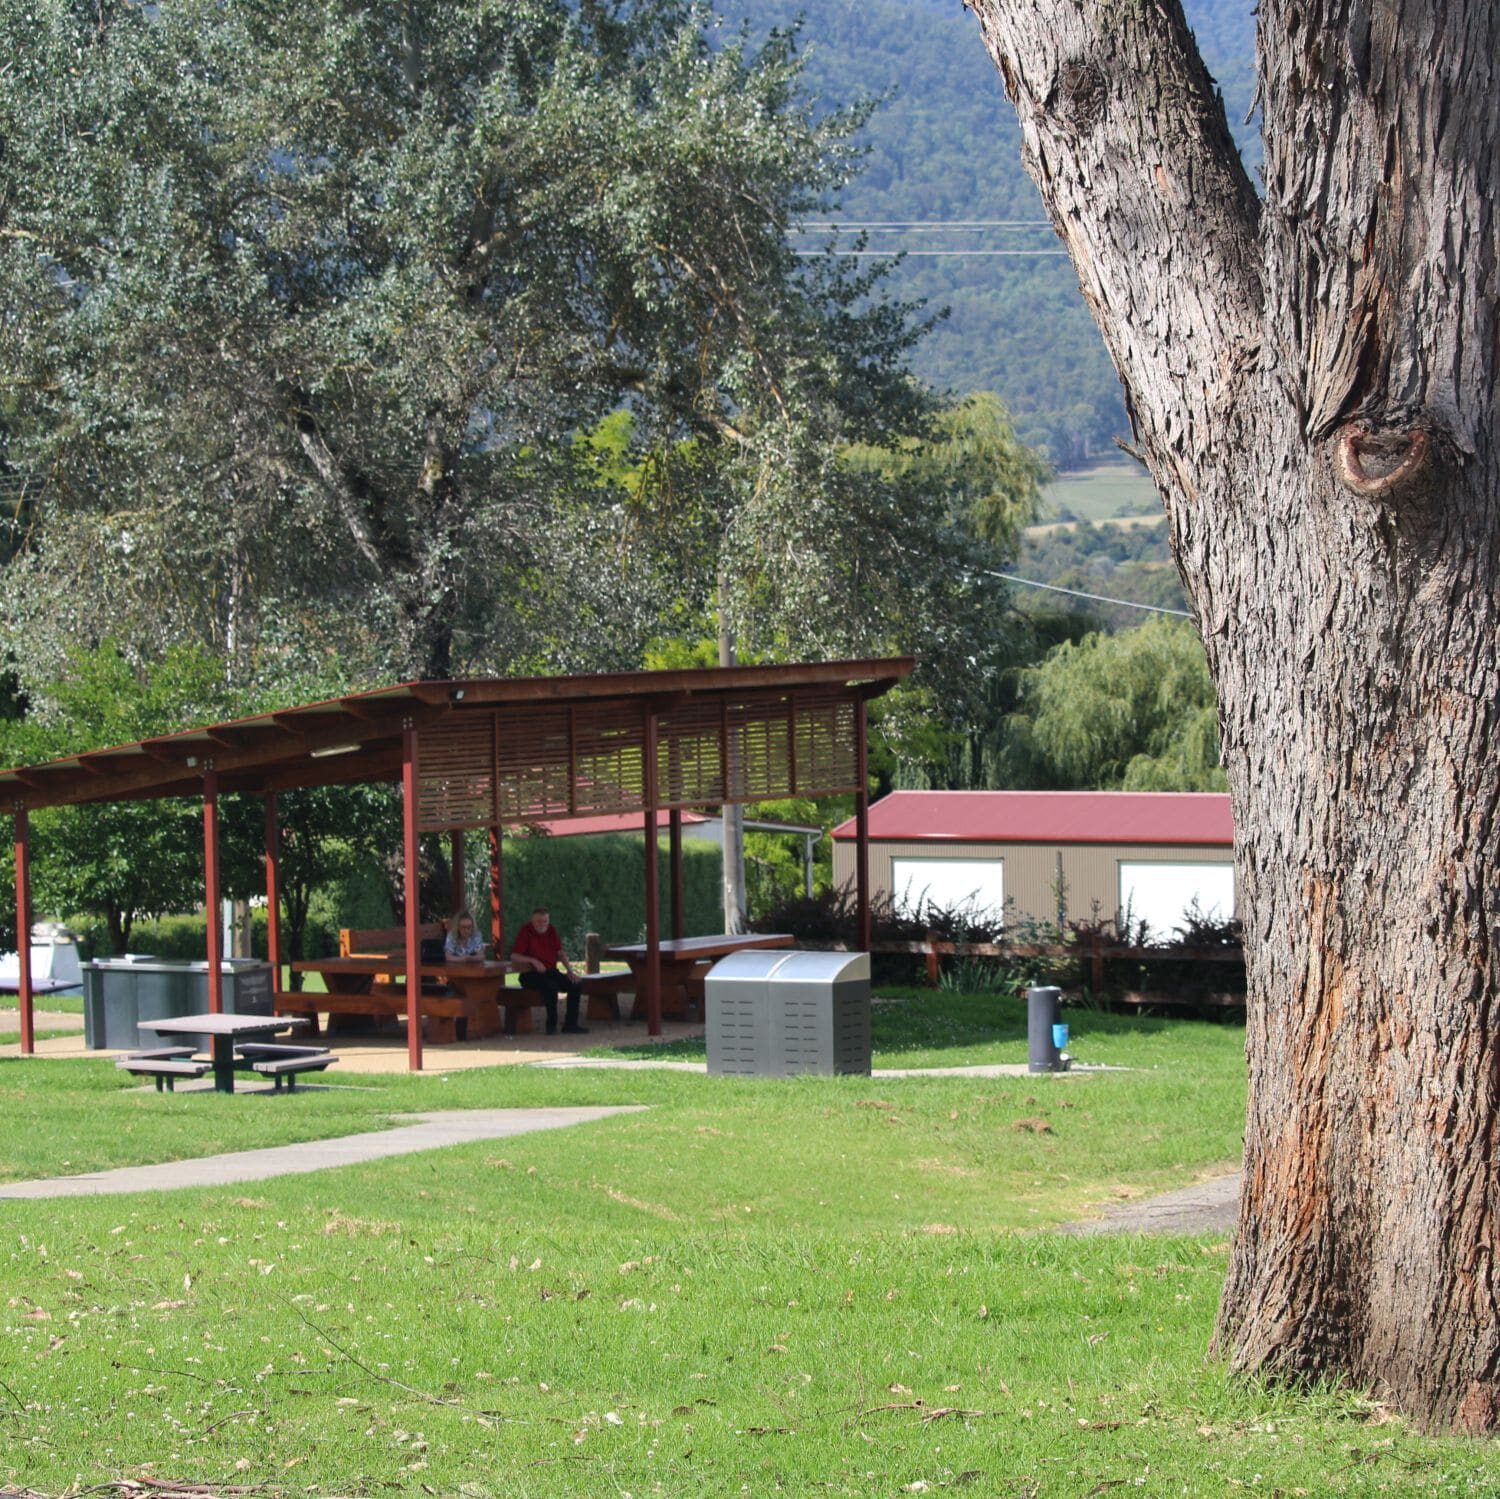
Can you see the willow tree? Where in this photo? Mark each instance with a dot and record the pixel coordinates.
(1311, 373)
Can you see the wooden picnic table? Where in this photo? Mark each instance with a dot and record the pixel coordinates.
(223, 1032)
(375, 984)
(680, 956)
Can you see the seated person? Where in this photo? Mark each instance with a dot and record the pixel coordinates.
(463, 939)
(537, 954)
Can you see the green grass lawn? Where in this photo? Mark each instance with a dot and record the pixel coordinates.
(838, 1286)
(12, 1038)
(56, 1004)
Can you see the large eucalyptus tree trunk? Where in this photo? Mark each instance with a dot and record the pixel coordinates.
(1312, 380)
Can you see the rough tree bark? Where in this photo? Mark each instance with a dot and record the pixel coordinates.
(1312, 378)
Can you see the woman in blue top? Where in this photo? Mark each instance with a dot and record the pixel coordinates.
(463, 941)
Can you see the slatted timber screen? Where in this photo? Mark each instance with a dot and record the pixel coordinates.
(611, 758)
(533, 765)
(456, 774)
(499, 767)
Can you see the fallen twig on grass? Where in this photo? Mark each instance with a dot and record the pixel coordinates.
(427, 1395)
(929, 1413)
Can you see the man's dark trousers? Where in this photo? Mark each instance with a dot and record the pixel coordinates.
(550, 985)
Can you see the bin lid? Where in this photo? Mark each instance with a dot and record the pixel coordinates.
(750, 963)
(824, 968)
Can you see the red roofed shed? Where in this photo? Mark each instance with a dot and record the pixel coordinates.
(1030, 853)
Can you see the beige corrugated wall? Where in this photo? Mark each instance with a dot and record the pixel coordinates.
(1091, 871)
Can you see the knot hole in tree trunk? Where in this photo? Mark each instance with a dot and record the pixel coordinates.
(1383, 465)
(1077, 96)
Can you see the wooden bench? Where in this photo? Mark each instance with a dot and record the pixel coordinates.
(389, 1001)
(603, 991)
(355, 942)
(165, 1065)
(302, 1002)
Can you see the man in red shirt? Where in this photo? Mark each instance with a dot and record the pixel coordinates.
(537, 954)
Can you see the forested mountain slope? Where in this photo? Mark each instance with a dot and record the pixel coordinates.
(945, 147)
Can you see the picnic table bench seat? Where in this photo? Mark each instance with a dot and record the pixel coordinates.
(270, 1051)
(388, 1001)
(165, 1065)
(285, 1068)
(603, 991)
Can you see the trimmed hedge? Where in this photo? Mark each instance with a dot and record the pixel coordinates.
(597, 884)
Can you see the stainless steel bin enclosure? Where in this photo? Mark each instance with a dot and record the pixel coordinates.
(820, 1004)
(777, 1013)
(121, 992)
(737, 999)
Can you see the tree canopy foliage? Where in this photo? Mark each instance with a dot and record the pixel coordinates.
(1127, 712)
(307, 302)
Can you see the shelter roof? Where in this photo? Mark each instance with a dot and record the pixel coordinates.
(358, 738)
(1194, 818)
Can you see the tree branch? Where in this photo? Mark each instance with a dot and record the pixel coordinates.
(327, 468)
(1125, 135)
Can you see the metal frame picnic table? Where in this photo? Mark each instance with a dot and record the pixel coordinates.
(223, 1031)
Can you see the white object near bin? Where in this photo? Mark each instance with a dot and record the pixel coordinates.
(54, 959)
(776, 1014)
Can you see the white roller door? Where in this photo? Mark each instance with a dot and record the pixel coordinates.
(1162, 894)
(975, 886)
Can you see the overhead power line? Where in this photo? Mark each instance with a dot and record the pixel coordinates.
(914, 254)
(901, 224)
(1097, 598)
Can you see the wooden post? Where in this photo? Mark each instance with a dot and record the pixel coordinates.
(457, 870)
(653, 893)
(674, 844)
(862, 825)
(273, 889)
(934, 962)
(592, 947)
(410, 846)
(497, 897)
(23, 930)
(211, 898)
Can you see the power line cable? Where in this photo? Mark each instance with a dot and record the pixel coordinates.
(944, 254)
(904, 224)
(1075, 593)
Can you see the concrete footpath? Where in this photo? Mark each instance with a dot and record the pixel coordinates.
(1208, 1207)
(449, 1127)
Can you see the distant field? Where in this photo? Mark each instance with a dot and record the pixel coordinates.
(1104, 492)
(1124, 522)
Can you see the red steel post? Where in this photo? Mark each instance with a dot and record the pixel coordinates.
(653, 893)
(211, 898)
(674, 844)
(862, 825)
(273, 889)
(23, 930)
(413, 896)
